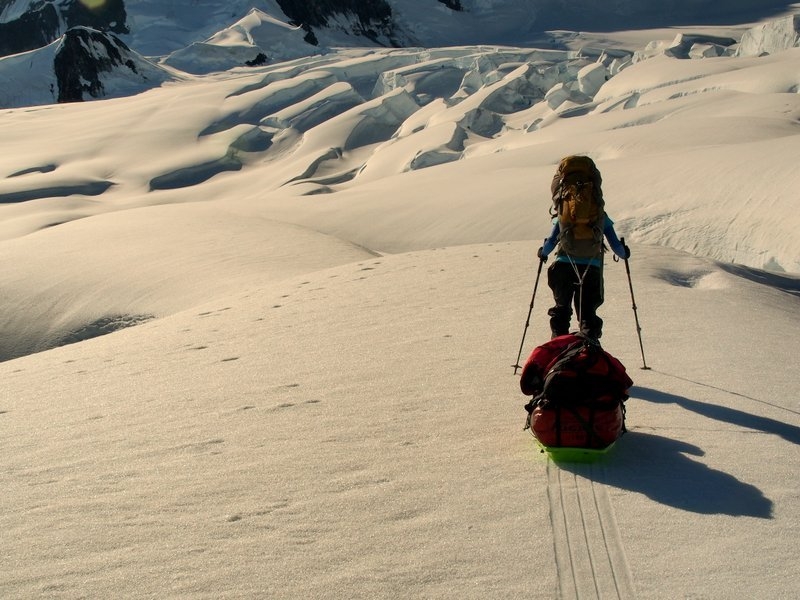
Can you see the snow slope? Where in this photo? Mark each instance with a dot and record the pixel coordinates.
(329, 262)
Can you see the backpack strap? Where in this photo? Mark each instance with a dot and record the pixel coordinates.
(568, 353)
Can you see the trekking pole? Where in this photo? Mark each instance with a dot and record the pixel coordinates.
(528, 320)
(635, 313)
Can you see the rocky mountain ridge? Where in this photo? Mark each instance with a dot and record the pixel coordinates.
(91, 56)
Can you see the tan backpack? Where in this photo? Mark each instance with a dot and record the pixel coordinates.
(578, 204)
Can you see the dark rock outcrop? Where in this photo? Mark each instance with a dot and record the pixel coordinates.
(85, 57)
(34, 29)
(44, 22)
(372, 18)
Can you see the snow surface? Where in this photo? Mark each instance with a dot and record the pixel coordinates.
(329, 262)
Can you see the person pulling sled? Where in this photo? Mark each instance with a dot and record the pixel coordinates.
(578, 390)
(580, 224)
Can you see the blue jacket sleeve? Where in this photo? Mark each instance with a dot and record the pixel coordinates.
(613, 241)
(551, 241)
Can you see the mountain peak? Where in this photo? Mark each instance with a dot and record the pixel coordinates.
(95, 64)
(29, 24)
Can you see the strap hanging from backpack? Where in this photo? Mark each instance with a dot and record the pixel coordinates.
(580, 277)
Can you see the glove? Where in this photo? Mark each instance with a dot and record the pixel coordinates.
(627, 251)
(541, 255)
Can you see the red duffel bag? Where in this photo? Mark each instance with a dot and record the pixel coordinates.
(579, 392)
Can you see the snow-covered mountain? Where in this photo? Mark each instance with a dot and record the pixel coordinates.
(197, 35)
(256, 39)
(157, 28)
(92, 62)
(30, 24)
(202, 36)
(153, 27)
(83, 64)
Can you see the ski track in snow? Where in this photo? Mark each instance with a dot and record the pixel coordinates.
(589, 553)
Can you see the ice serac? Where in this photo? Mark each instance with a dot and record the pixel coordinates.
(771, 37)
(425, 148)
(577, 80)
(683, 44)
(92, 64)
(705, 51)
(379, 119)
(426, 79)
(350, 133)
(274, 95)
(591, 78)
(322, 106)
(688, 45)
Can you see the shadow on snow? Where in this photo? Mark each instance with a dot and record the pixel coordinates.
(662, 468)
(740, 418)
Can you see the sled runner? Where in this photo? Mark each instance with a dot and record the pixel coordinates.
(579, 392)
(575, 455)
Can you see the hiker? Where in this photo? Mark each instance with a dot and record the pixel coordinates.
(579, 226)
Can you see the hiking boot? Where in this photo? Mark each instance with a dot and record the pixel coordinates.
(592, 328)
(592, 333)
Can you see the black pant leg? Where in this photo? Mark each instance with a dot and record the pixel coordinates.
(562, 281)
(591, 298)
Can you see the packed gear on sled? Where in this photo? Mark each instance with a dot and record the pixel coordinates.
(579, 392)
